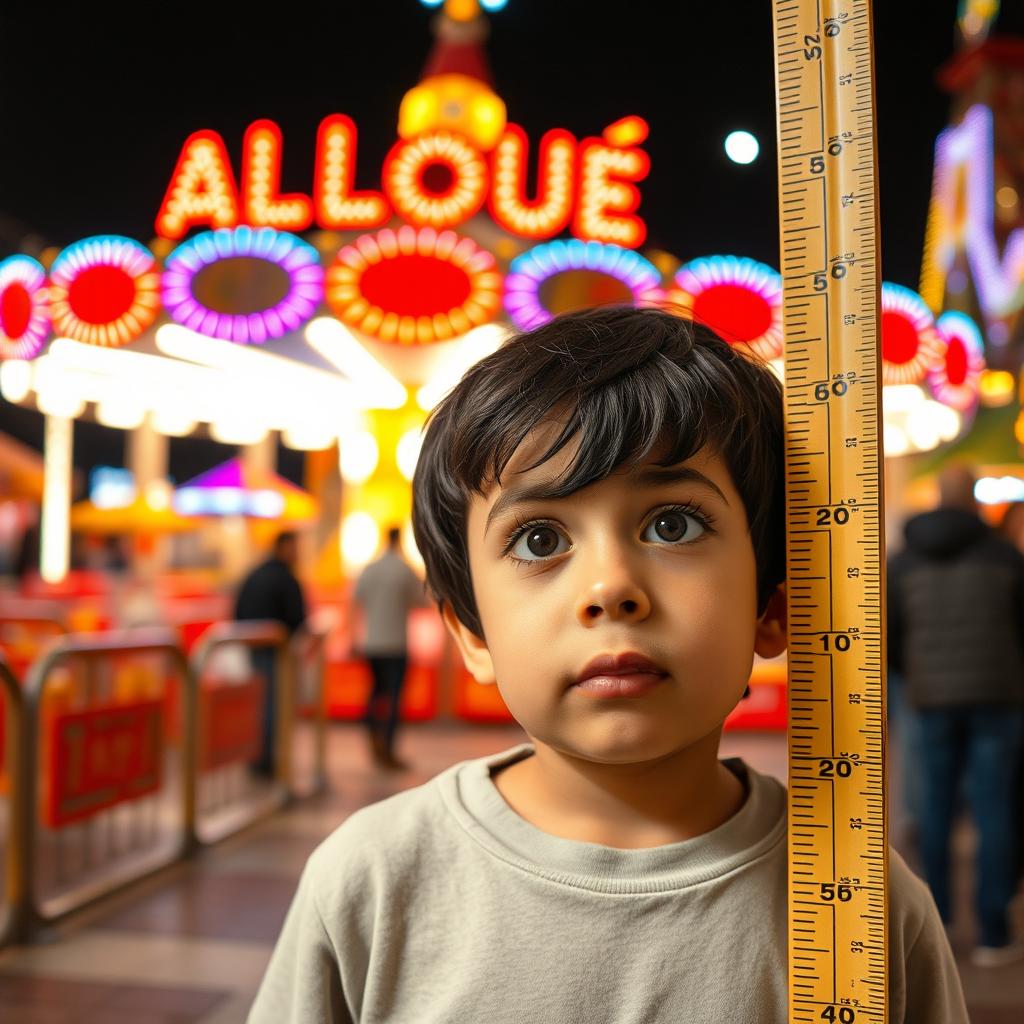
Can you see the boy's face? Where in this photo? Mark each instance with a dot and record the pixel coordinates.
(664, 569)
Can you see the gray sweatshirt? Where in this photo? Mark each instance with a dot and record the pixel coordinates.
(441, 905)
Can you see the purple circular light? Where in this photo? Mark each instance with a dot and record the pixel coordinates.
(24, 308)
(530, 270)
(297, 258)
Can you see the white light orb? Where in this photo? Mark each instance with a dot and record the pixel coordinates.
(741, 147)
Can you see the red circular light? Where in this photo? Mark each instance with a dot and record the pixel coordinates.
(15, 310)
(102, 293)
(956, 361)
(415, 285)
(739, 314)
(899, 338)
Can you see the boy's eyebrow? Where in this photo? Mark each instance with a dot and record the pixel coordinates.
(649, 476)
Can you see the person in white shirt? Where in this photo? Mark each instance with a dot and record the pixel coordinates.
(386, 591)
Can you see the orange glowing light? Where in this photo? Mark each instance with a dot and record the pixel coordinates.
(337, 205)
(547, 214)
(414, 287)
(202, 191)
(261, 179)
(607, 198)
(435, 180)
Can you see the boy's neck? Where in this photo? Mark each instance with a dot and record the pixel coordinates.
(630, 806)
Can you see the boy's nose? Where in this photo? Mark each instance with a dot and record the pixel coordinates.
(620, 600)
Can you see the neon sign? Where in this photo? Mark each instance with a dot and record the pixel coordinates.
(436, 179)
(962, 218)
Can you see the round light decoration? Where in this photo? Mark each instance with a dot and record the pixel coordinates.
(414, 286)
(104, 291)
(956, 379)
(24, 308)
(543, 262)
(738, 298)
(910, 344)
(436, 179)
(297, 265)
(741, 147)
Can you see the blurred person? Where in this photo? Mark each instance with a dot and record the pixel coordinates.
(272, 591)
(1012, 528)
(956, 634)
(386, 591)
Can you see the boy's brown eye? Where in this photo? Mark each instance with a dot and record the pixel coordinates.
(674, 526)
(542, 541)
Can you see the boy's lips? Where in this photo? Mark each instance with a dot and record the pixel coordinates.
(626, 663)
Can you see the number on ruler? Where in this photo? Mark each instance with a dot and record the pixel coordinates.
(830, 768)
(834, 24)
(831, 891)
(827, 516)
(812, 52)
(841, 642)
(838, 387)
(840, 1014)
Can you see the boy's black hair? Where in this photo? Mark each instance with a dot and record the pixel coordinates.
(626, 379)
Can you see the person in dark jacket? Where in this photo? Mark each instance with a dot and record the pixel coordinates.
(956, 634)
(272, 591)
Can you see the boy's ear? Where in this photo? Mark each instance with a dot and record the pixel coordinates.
(771, 637)
(472, 648)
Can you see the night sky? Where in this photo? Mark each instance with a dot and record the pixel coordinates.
(97, 100)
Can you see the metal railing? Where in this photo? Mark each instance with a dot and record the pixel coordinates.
(121, 756)
(12, 805)
(307, 771)
(242, 759)
(108, 737)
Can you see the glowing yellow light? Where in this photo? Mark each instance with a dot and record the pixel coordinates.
(358, 456)
(309, 437)
(122, 412)
(628, 131)
(1018, 429)
(408, 452)
(896, 441)
(55, 536)
(172, 421)
(157, 495)
(1006, 196)
(996, 388)
(457, 103)
(373, 385)
(15, 379)
(238, 430)
(360, 536)
(901, 397)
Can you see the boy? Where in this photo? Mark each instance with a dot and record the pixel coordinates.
(599, 506)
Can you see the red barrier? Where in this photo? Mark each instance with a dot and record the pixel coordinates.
(103, 757)
(230, 723)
